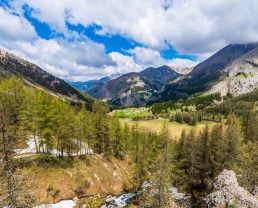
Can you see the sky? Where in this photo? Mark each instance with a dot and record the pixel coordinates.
(79, 40)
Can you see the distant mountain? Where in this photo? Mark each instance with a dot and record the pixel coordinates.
(162, 74)
(86, 86)
(134, 89)
(232, 69)
(184, 71)
(11, 65)
(83, 86)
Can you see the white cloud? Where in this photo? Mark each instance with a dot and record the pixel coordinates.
(79, 59)
(147, 57)
(195, 27)
(13, 27)
(62, 58)
(191, 26)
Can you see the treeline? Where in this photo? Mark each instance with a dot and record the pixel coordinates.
(198, 158)
(237, 105)
(189, 118)
(193, 117)
(199, 100)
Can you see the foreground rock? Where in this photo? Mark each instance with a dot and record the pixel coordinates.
(228, 193)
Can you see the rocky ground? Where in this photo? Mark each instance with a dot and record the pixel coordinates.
(228, 193)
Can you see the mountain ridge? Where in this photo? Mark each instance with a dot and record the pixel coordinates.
(134, 88)
(12, 65)
(210, 72)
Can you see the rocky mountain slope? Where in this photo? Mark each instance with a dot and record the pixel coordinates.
(134, 89)
(228, 193)
(11, 65)
(240, 77)
(232, 69)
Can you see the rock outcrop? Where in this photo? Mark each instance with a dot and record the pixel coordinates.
(240, 77)
(233, 69)
(228, 193)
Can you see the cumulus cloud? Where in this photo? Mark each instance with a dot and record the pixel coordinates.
(62, 58)
(13, 27)
(77, 59)
(147, 57)
(195, 27)
(191, 26)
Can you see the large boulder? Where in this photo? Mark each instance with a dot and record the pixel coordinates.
(228, 193)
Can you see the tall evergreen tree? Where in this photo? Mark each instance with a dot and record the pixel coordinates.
(233, 139)
(217, 150)
(203, 155)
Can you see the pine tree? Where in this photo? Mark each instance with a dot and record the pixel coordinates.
(232, 141)
(203, 156)
(162, 177)
(217, 152)
(107, 145)
(84, 129)
(250, 123)
(126, 137)
(118, 144)
(12, 96)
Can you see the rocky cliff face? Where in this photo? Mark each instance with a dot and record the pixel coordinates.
(240, 77)
(228, 193)
(233, 69)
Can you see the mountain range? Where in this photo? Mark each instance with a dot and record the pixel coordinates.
(86, 86)
(134, 89)
(233, 69)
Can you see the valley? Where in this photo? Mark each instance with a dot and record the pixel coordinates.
(174, 129)
(148, 139)
(128, 104)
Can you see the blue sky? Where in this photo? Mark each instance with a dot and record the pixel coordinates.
(81, 39)
(112, 42)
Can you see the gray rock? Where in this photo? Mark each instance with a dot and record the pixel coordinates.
(227, 192)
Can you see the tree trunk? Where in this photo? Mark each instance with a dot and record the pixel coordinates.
(36, 145)
(8, 169)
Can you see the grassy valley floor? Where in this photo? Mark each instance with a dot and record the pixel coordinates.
(175, 129)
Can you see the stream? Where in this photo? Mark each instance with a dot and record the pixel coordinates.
(113, 201)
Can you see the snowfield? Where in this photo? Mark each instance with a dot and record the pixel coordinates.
(61, 204)
(31, 150)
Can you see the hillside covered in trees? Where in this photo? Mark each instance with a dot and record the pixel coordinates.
(62, 131)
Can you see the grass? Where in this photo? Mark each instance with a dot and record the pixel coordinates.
(141, 112)
(131, 112)
(89, 175)
(175, 129)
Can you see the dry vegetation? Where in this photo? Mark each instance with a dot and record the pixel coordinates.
(175, 129)
(56, 179)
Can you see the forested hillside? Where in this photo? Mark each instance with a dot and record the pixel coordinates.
(31, 74)
(66, 135)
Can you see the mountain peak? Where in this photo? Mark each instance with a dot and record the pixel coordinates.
(164, 73)
(134, 89)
